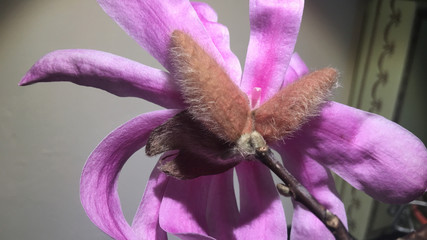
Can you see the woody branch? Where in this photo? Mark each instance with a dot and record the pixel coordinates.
(299, 193)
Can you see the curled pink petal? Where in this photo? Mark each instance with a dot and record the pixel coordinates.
(370, 152)
(98, 184)
(152, 22)
(205, 12)
(274, 30)
(296, 70)
(146, 220)
(298, 65)
(221, 39)
(117, 75)
(201, 208)
(320, 183)
(261, 211)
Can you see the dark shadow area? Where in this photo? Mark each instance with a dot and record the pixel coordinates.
(8, 7)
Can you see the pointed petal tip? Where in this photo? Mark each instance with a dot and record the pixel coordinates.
(117, 75)
(26, 79)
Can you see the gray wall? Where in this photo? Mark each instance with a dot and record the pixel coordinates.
(48, 130)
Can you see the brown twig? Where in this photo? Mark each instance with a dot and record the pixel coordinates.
(420, 234)
(298, 192)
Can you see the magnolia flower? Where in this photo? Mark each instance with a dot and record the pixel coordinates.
(373, 154)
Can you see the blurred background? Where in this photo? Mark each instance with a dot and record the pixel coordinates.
(48, 130)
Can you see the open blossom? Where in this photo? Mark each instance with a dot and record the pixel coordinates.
(370, 152)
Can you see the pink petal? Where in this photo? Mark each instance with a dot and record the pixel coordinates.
(205, 12)
(298, 65)
(261, 211)
(151, 24)
(98, 184)
(117, 75)
(295, 71)
(320, 183)
(201, 208)
(146, 221)
(372, 153)
(274, 30)
(220, 37)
